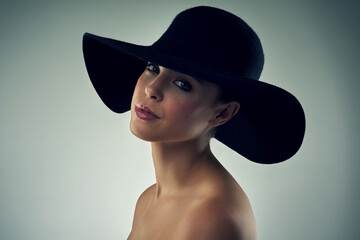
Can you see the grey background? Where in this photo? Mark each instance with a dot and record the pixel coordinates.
(70, 168)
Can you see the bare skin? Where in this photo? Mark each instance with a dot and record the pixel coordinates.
(194, 196)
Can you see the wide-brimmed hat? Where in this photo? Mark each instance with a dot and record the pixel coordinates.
(216, 46)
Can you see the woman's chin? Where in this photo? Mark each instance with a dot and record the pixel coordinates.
(142, 134)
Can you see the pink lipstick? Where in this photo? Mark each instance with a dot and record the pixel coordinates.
(144, 113)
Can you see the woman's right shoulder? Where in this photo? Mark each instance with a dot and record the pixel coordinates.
(146, 195)
(144, 199)
(142, 203)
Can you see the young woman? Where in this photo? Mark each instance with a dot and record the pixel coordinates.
(199, 80)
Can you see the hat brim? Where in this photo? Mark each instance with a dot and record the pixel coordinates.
(269, 128)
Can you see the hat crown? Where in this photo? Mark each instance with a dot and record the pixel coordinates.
(214, 38)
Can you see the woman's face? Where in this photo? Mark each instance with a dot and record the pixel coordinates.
(171, 106)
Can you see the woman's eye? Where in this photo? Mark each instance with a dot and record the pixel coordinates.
(152, 68)
(183, 85)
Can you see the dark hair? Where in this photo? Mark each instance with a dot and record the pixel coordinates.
(225, 95)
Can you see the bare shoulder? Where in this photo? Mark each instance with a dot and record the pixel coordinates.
(142, 202)
(221, 216)
(144, 197)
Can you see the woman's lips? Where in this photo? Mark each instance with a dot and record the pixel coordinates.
(144, 113)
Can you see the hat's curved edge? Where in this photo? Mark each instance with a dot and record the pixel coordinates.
(112, 73)
(272, 124)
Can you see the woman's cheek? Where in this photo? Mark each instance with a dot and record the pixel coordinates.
(184, 116)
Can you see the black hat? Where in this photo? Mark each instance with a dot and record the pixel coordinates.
(216, 46)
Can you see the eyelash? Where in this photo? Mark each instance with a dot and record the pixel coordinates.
(180, 83)
(152, 68)
(183, 85)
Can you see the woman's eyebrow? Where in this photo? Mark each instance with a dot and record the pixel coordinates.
(187, 77)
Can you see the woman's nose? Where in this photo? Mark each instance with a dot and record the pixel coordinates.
(154, 89)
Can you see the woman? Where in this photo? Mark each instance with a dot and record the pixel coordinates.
(200, 80)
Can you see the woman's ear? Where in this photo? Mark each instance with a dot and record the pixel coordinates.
(225, 113)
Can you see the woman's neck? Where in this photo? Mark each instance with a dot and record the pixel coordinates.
(179, 165)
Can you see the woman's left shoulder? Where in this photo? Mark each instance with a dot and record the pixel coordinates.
(229, 197)
(223, 214)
